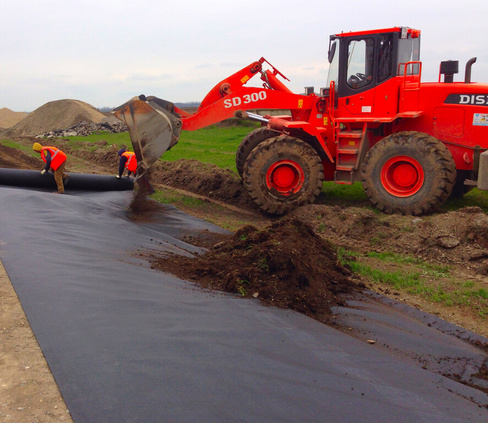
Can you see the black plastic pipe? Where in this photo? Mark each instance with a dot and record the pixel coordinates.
(77, 181)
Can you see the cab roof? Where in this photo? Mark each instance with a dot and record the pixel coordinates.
(413, 33)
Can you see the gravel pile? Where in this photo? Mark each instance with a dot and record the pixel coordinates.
(87, 128)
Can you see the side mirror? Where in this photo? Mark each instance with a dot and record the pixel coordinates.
(332, 50)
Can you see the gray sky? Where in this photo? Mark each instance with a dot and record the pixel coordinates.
(105, 52)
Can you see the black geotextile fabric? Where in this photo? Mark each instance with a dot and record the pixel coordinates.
(76, 182)
(130, 344)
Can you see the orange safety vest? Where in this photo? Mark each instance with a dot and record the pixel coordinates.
(131, 163)
(57, 156)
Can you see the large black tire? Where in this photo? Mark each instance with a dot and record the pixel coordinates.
(408, 173)
(248, 143)
(283, 173)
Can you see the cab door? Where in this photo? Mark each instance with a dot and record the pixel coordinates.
(366, 64)
(359, 76)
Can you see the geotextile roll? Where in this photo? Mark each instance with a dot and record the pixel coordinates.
(77, 181)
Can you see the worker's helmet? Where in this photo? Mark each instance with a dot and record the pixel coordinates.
(37, 147)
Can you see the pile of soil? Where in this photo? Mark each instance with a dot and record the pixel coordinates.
(11, 158)
(204, 179)
(285, 265)
(59, 114)
(9, 118)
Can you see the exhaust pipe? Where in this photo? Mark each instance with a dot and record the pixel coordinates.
(467, 73)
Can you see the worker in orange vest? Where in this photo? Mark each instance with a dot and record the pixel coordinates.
(127, 161)
(55, 159)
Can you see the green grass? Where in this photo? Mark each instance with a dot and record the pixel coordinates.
(414, 276)
(204, 208)
(346, 193)
(431, 269)
(16, 145)
(214, 144)
(474, 198)
(217, 145)
(397, 279)
(170, 197)
(117, 139)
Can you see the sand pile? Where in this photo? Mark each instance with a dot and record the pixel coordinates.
(8, 118)
(55, 115)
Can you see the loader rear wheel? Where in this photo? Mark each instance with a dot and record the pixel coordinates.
(408, 173)
(283, 173)
(249, 142)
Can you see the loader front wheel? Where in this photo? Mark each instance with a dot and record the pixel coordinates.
(408, 173)
(249, 142)
(283, 173)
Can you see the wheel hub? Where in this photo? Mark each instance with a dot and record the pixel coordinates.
(402, 176)
(285, 176)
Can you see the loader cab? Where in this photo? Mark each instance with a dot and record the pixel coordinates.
(361, 61)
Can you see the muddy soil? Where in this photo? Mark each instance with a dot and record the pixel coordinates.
(285, 265)
(12, 158)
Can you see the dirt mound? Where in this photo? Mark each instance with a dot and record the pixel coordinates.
(8, 118)
(204, 179)
(12, 158)
(285, 265)
(56, 115)
(456, 237)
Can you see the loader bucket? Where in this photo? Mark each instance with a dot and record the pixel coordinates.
(154, 127)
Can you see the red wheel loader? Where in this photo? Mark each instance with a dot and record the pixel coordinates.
(411, 144)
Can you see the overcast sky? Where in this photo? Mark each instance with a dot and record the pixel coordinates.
(105, 52)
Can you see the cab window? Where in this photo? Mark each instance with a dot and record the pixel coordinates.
(360, 63)
(333, 63)
(408, 51)
(385, 57)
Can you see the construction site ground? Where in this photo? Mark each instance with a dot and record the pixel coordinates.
(448, 252)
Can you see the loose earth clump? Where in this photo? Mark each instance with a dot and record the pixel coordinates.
(205, 179)
(285, 265)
